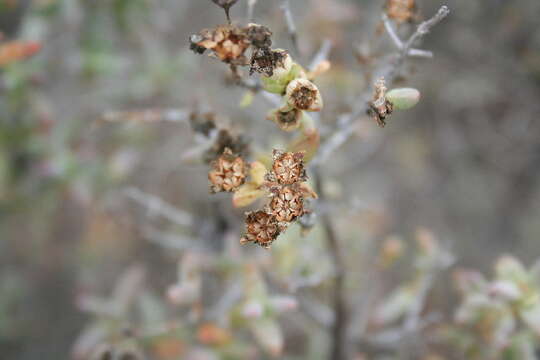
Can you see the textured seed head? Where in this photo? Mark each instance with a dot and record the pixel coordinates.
(287, 120)
(287, 203)
(288, 168)
(261, 228)
(228, 172)
(228, 43)
(302, 94)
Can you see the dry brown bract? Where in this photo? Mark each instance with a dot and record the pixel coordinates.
(228, 172)
(401, 10)
(265, 60)
(261, 228)
(287, 203)
(227, 42)
(288, 168)
(380, 108)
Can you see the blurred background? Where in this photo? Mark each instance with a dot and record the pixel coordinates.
(81, 212)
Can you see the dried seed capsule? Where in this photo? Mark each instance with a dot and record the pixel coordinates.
(286, 119)
(261, 228)
(302, 94)
(227, 43)
(228, 172)
(287, 203)
(288, 167)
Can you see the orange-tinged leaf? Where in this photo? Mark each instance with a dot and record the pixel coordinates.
(17, 50)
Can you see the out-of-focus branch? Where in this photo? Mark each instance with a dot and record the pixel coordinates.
(340, 324)
(147, 115)
(346, 121)
(291, 26)
(157, 206)
(250, 7)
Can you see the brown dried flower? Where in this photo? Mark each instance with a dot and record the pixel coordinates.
(227, 42)
(287, 203)
(260, 36)
(304, 95)
(265, 60)
(288, 168)
(228, 172)
(401, 10)
(287, 120)
(380, 108)
(261, 228)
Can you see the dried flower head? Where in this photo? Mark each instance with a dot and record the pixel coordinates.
(287, 203)
(401, 10)
(227, 42)
(228, 172)
(260, 36)
(261, 228)
(304, 95)
(265, 61)
(288, 168)
(286, 119)
(380, 108)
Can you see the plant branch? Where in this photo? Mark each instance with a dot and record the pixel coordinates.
(291, 26)
(346, 121)
(340, 324)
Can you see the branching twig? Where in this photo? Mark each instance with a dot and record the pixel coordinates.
(291, 26)
(340, 324)
(346, 121)
(156, 206)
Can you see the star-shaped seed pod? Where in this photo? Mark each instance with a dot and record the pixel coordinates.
(227, 42)
(287, 203)
(288, 168)
(261, 228)
(228, 172)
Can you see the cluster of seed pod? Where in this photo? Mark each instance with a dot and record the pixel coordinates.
(287, 188)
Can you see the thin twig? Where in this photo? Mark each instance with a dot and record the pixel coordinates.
(340, 324)
(250, 7)
(156, 206)
(291, 26)
(346, 121)
(321, 55)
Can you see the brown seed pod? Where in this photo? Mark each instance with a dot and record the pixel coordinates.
(265, 60)
(261, 228)
(287, 203)
(380, 108)
(228, 173)
(288, 168)
(227, 42)
(304, 95)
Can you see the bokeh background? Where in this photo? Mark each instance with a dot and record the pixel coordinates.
(464, 163)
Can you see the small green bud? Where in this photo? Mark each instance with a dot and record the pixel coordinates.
(403, 98)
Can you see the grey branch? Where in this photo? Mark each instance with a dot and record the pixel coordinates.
(156, 206)
(291, 26)
(346, 121)
(250, 7)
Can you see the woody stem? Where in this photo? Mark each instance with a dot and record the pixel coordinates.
(339, 326)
